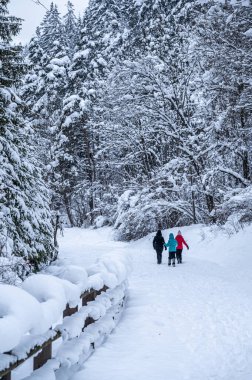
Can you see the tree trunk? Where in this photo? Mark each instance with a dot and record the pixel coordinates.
(193, 201)
(210, 205)
(68, 210)
(245, 165)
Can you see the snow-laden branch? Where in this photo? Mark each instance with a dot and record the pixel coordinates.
(235, 175)
(38, 2)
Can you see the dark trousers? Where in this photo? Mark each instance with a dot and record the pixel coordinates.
(171, 258)
(159, 255)
(179, 256)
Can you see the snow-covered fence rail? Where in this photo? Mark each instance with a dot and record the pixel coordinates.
(42, 351)
(56, 319)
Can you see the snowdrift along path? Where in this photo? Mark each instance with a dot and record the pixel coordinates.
(192, 322)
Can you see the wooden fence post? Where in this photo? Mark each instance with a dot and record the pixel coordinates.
(88, 321)
(69, 311)
(44, 355)
(88, 297)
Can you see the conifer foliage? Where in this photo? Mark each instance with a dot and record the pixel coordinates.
(26, 231)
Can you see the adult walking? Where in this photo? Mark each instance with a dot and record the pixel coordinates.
(181, 241)
(172, 244)
(158, 245)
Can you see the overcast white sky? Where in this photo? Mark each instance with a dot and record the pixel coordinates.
(33, 14)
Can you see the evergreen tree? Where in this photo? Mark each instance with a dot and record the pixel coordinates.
(101, 39)
(71, 28)
(44, 88)
(26, 230)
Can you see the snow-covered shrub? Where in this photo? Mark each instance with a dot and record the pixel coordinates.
(236, 210)
(101, 221)
(13, 269)
(142, 212)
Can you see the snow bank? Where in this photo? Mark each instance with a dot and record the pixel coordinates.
(109, 270)
(29, 314)
(47, 372)
(53, 295)
(32, 314)
(20, 313)
(72, 273)
(95, 281)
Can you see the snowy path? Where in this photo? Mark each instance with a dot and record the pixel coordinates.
(192, 322)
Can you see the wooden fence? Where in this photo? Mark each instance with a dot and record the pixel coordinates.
(44, 351)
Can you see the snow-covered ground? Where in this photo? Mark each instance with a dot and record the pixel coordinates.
(192, 322)
(84, 246)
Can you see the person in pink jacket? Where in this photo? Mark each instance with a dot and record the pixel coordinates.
(181, 241)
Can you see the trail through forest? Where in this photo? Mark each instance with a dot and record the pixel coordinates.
(191, 322)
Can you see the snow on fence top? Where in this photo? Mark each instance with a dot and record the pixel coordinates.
(39, 303)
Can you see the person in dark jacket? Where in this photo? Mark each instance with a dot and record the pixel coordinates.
(158, 245)
(172, 244)
(181, 241)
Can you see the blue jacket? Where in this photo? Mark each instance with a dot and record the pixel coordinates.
(172, 243)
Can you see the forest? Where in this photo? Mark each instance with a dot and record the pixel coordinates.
(136, 115)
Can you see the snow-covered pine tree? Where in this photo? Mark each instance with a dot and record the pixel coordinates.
(101, 38)
(151, 26)
(26, 231)
(48, 80)
(52, 81)
(71, 29)
(32, 89)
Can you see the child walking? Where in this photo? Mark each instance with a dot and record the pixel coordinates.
(179, 249)
(172, 244)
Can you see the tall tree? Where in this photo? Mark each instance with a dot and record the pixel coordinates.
(71, 28)
(100, 43)
(26, 230)
(44, 88)
(224, 47)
